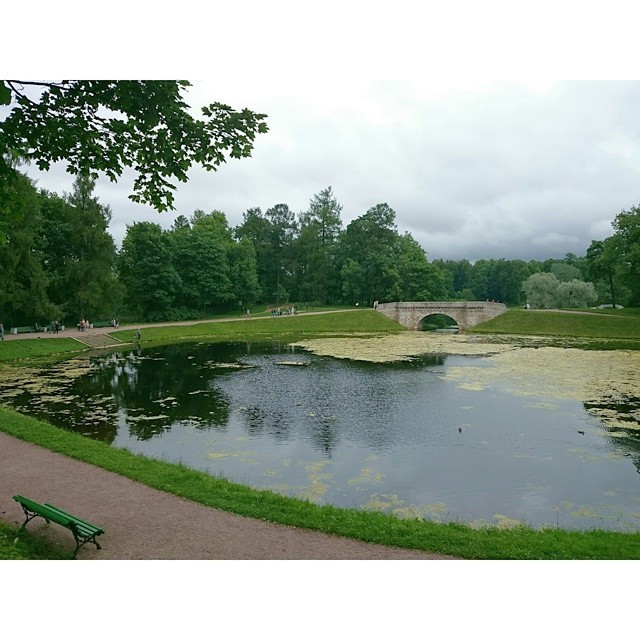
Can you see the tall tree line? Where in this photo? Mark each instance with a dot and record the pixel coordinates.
(58, 261)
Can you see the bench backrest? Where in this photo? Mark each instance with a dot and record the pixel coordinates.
(45, 511)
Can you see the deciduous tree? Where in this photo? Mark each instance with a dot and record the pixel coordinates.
(541, 290)
(108, 125)
(147, 272)
(23, 285)
(627, 243)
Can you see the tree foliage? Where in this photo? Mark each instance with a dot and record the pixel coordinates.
(106, 126)
(320, 228)
(146, 270)
(541, 290)
(575, 294)
(604, 265)
(627, 243)
(545, 291)
(59, 259)
(23, 286)
(78, 253)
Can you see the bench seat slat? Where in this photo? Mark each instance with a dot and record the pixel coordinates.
(79, 521)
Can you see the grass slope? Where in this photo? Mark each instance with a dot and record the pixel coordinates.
(33, 348)
(563, 324)
(347, 322)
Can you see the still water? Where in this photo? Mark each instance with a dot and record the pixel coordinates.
(400, 438)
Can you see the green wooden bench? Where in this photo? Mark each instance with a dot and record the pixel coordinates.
(82, 530)
(34, 328)
(101, 324)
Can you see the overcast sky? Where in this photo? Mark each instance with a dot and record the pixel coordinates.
(498, 133)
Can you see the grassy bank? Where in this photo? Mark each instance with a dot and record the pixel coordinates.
(451, 539)
(609, 331)
(12, 351)
(339, 323)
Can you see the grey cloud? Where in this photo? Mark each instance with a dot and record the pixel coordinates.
(493, 171)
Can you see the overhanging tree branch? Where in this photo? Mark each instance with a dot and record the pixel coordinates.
(152, 131)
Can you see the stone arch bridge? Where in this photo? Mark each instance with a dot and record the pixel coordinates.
(466, 314)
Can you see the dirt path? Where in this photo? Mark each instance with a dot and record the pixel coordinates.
(144, 523)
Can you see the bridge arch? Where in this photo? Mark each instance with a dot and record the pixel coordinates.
(466, 314)
(437, 321)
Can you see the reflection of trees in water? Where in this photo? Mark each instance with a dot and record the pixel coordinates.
(159, 388)
(326, 402)
(626, 411)
(153, 390)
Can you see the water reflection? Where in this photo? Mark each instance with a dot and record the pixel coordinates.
(400, 437)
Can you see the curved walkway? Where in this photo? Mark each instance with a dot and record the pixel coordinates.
(144, 523)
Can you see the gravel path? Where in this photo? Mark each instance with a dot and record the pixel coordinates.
(144, 523)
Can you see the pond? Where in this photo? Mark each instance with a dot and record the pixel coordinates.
(416, 438)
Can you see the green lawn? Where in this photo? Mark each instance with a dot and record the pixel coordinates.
(564, 324)
(347, 322)
(12, 350)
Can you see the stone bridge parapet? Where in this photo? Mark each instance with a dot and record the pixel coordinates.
(466, 314)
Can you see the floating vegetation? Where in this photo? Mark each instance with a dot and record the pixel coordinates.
(226, 365)
(383, 502)
(607, 382)
(391, 503)
(399, 347)
(367, 476)
(504, 522)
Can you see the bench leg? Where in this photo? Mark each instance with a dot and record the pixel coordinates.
(80, 542)
(30, 516)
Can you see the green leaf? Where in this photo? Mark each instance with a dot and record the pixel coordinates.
(5, 94)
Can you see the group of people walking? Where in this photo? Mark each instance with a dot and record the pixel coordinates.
(290, 311)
